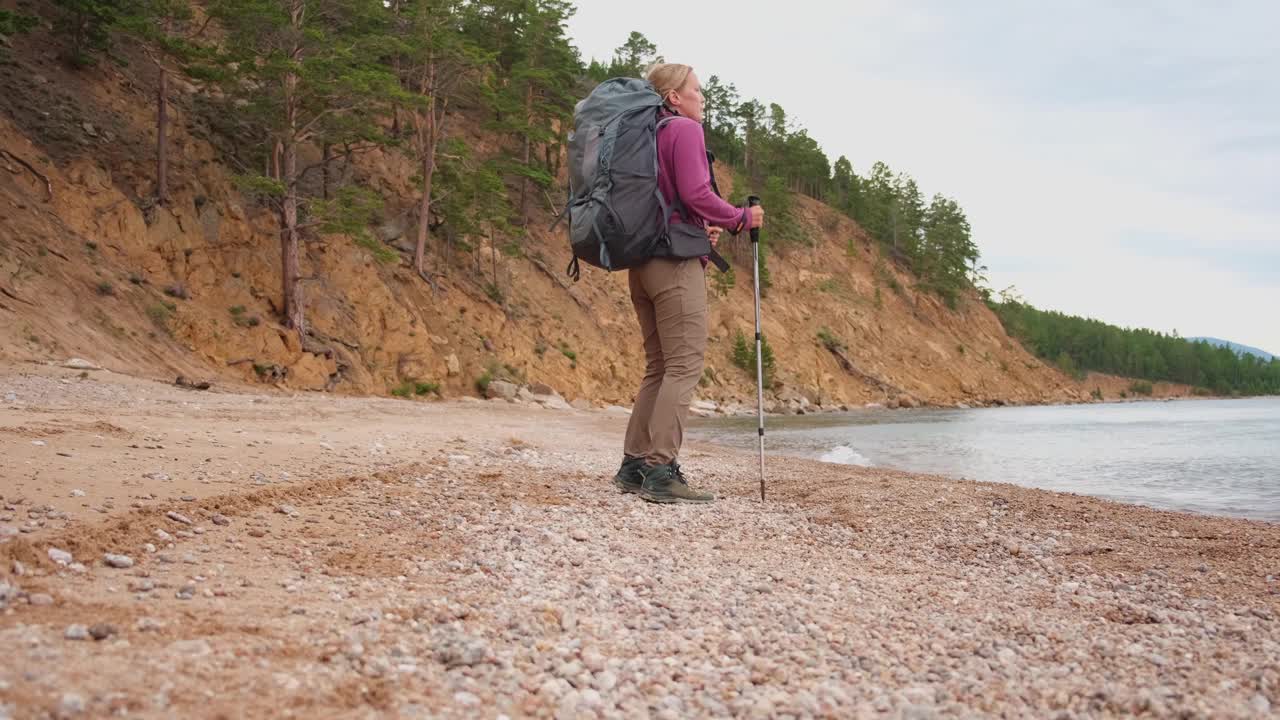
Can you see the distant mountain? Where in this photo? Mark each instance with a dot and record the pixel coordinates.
(1237, 347)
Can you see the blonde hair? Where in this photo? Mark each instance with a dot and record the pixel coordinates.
(666, 78)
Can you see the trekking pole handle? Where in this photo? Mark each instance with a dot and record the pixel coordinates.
(753, 201)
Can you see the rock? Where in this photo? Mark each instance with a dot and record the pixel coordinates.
(76, 632)
(191, 648)
(77, 493)
(11, 397)
(7, 592)
(542, 389)
(163, 536)
(70, 704)
(220, 519)
(501, 389)
(80, 364)
(311, 372)
(617, 410)
(117, 561)
(452, 365)
(552, 402)
(287, 510)
(186, 593)
(178, 517)
(61, 557)
(906, 401)
(40, 599)
(102, 631)
(579, 534)
(580, 404)
(455, 650)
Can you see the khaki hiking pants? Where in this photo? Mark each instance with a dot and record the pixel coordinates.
(670, 298)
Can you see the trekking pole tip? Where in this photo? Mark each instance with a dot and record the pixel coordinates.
(753, 200)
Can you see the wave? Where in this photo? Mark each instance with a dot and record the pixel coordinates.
(845, 455)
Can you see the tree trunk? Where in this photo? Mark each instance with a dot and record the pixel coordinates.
(325, 156)
(162, 124)
(493, 251)
(289, 243)
(289, 252)
(528, 146)
(430, 127)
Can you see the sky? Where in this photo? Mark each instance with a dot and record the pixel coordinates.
(1116, 160)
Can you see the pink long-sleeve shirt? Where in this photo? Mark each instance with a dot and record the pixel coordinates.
(683, 172)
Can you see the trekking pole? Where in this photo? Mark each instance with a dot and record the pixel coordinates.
(755, 272)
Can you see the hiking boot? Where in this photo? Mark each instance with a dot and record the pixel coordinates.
(666, 484)
(629, 477)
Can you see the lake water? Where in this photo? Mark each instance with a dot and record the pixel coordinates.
(1208, 456)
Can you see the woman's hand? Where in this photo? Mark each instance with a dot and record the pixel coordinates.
(713, 233)
(757, 216)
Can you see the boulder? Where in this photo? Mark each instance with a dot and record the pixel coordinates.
(502, 389)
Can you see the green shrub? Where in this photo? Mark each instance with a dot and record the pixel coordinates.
(829, 340)
(723, 282)
(1141, 387)
(744, 356)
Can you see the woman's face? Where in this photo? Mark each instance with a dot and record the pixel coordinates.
(688, 100)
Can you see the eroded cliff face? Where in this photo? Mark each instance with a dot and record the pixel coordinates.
(90, 268)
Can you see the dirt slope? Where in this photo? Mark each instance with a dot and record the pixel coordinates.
(89, 267)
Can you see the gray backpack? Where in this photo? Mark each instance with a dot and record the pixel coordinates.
(618, 218)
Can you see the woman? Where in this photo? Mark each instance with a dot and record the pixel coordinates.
(670, 298)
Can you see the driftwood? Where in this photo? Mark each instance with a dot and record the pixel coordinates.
(541, 266)
(48, 186)
(866, 377)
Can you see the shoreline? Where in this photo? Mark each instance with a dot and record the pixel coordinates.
(376, 556)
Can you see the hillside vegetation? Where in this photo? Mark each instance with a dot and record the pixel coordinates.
(353, 196)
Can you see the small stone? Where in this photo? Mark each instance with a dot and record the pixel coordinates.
(287, 510)
(188, 498)
(147, 624)
(579, 534)
(77, 567)
(40, 599)
(149, 548)
(76, 632)
(163, 536)
(186, 593)
(80, 363)
(118, 561)
(77, 493)
(144, 585)
(102, 631)
(39, 443)
(70, 704)
(220, 519)
(61, 557)
(178, 517)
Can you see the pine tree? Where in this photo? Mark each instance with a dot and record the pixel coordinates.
(439, 64)
(298, 69)
(88, 23)
(168, 37)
